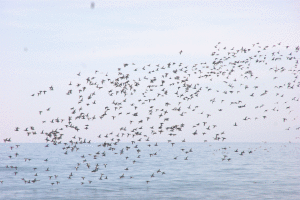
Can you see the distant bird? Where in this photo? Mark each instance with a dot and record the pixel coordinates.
(92, 5)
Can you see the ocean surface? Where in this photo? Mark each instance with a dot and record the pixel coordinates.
(182, 171)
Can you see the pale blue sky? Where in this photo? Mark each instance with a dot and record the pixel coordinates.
(46, 43)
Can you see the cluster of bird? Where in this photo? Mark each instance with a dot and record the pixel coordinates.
(170, 103)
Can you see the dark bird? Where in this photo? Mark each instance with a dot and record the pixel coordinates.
(92, 5)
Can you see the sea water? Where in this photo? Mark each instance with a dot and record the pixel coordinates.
(191, 171)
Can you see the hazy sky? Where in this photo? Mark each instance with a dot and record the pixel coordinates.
(46, 43)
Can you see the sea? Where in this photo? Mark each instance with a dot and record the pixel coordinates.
(150, 171)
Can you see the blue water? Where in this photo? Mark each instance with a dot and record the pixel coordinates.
(271, 171)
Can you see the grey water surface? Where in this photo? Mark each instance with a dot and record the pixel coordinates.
(191, 171)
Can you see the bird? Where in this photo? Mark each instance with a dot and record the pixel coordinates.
(92, 5)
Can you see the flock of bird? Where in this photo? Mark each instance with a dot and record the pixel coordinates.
(172, 102)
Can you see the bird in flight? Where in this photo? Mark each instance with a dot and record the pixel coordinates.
(92, 5)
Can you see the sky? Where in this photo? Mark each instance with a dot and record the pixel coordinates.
(47, 43)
